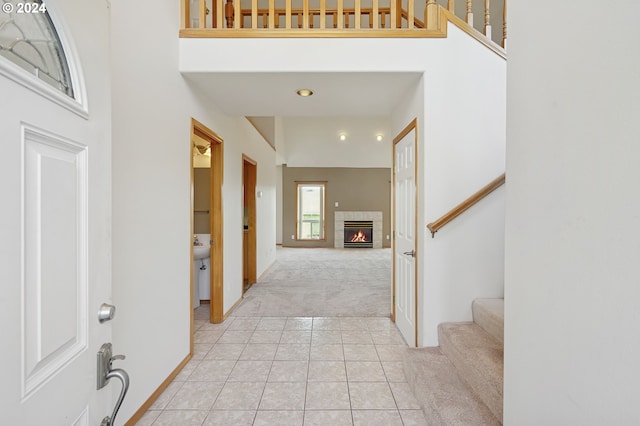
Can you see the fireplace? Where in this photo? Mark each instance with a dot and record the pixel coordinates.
(358, 234)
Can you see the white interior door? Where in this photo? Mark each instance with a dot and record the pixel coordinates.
(55, 260)
(405, 235)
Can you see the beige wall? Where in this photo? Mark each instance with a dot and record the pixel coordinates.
(201, 200)
(355, 189)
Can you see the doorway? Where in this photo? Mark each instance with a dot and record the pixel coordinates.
(201, 135)
(405, 205)
(249, 178)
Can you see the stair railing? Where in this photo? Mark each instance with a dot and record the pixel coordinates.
(380, 15)
(436, 225)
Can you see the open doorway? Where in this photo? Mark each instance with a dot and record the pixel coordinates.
(207, 141)
(249, 177)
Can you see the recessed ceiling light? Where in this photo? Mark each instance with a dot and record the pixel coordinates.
(304, 92)
(379, 137)
(343, 136)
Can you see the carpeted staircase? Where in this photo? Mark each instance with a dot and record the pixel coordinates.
(460, 382)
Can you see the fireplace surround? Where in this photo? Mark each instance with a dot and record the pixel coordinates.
(358, 216)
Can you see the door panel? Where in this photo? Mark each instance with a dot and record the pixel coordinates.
(405, 238)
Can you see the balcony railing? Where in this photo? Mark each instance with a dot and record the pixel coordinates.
(339, 18)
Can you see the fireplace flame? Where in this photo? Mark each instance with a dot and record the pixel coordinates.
(359, 237)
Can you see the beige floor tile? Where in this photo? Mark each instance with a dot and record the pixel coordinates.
(195, 396)
(239, 396)
(207, 326)
(166, 396)
(391, 352)
(327, 371)
(328, 418)
(259, 352)
(356, 337)
(200, 350)
(376, 418)
(296, 336)
(353, 323)
(202, 336)
(266, 336)
(327, 396)
(226, 351)
(271, 324)
(326, 323)
(371, 396)
(405, 399)
(390, 337)
(394, 371)
(230, 418)
(212, 371)
(280, 418)
(283, 396)
(380, 324)
(333, 352)
(413, 418)
(299, 323)
(325, 337)
(360, 353)
(235, 336)
(148, 418)
(244, 324)
(250, 371)
(365, 371)
(187, 370)
(181, 417)
(293, 352)
(288, 371)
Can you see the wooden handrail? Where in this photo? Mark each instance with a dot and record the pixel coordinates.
(465, 205)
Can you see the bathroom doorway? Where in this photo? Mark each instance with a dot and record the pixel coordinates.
(249, 177)
(202, 136)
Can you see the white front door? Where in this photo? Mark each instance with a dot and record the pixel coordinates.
(404, 251)
(55, 260)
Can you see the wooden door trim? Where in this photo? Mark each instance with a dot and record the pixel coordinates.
(413, 125)
(201, 131)
(250, 188)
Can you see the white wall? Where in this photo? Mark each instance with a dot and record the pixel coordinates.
(572, 321)
(279, 205)
(315, 142)
(152, 108)
(465, 150)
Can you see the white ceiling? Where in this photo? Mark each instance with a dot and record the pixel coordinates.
(335, 94)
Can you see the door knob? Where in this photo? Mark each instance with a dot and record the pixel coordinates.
(106, 312)
(411, 253)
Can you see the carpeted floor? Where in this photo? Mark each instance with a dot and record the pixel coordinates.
(322, 282)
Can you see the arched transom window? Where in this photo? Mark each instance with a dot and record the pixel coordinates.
(29, 39)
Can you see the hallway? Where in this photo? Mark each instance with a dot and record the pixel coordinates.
(294, 370)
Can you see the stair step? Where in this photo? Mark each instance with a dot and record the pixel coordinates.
(489, 314)
(479, 359)
(443, 396)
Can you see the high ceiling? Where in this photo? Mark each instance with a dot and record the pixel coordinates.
(335, 94)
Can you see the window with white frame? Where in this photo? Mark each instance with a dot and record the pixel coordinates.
(310, 218)
(29, 39)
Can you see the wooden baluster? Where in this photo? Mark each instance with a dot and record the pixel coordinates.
(272, 12)
(335, 19)
(305, 12)
(487, 18)
(323, 14)
(357, 15)
(239, 22)
(202, 14)
(373, 17)
(287, 18)
(504, 25)
(340, 14)
(185, 14)
(346, 19)
(219, 23)
(451, 5)
(398, 20)
(310, 19)
(228, 13)
(299, 19)
(432, 15)
(254, 14)
(470, 12)
(383, 19)
(276, 17)
(411, 15)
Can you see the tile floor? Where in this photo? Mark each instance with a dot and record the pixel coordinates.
(291, 371)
